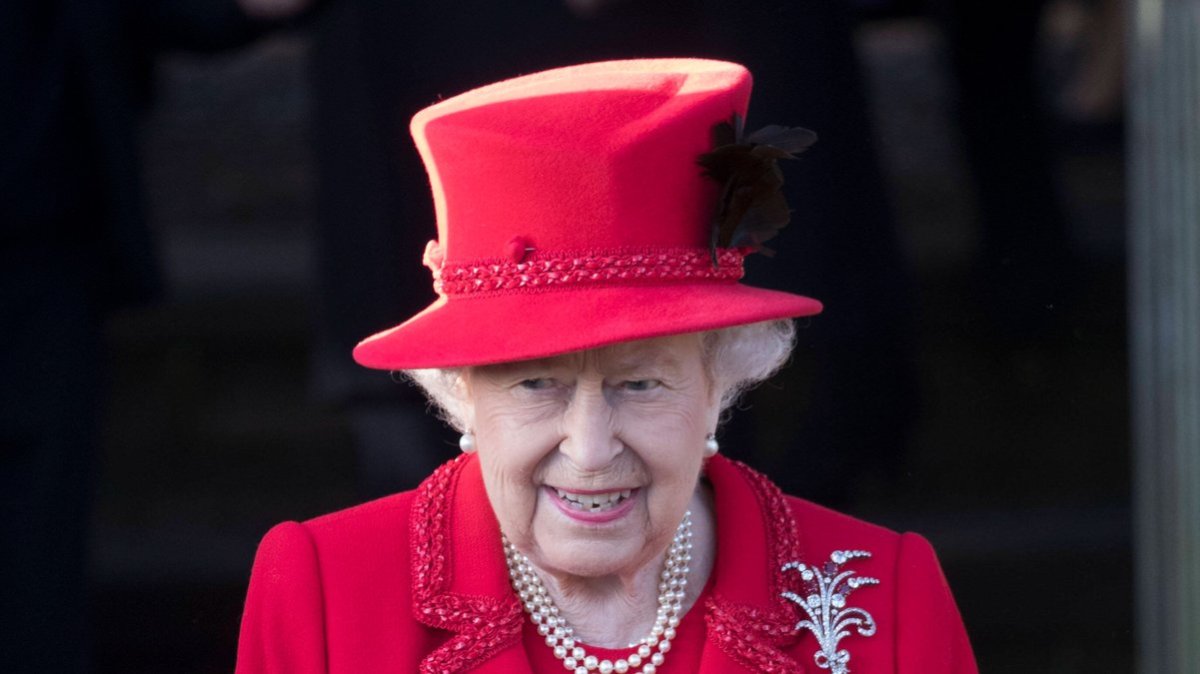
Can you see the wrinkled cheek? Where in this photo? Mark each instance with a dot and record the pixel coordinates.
(517, 508)
(683, 473)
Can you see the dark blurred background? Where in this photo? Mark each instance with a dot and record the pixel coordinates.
(962, 216)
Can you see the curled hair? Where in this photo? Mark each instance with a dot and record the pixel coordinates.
(735, 360)
(446, 393)
(741, 357)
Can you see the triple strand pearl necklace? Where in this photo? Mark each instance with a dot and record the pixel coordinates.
(560, 636)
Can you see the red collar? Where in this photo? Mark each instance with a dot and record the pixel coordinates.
(460, 583)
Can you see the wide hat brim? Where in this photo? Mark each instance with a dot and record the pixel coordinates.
(499, 328)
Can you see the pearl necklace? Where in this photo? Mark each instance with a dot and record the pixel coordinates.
(651, 650)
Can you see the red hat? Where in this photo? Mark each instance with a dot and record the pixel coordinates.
(572, 214)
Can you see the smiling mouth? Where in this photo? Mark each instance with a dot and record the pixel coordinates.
(593, 503)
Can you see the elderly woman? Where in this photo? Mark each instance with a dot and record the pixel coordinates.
(589, 332)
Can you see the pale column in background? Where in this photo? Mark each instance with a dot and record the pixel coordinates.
(1164, 273)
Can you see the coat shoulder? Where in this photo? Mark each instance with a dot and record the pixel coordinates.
(892, 554)
(364, 550)
(387, 516)
(821, 527)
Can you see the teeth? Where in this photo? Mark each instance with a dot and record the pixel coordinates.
(594, 502)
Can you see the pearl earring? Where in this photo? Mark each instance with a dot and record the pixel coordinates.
(711, 447)
(466, 442)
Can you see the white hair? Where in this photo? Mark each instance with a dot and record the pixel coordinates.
(736, 359)
(741, 357)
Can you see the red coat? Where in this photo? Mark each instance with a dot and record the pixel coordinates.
(417, 582)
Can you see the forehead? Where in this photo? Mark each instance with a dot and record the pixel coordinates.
(678, 353)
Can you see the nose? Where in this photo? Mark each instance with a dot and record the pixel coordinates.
(590, 440)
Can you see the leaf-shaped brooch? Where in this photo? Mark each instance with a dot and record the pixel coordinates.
(829, 618)
(751, 208)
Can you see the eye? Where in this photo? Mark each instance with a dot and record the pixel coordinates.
(641, 384)
(537, 384)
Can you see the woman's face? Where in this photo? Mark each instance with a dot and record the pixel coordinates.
(590, 458)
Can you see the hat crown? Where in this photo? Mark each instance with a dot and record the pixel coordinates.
(594, 157)
(573, 213)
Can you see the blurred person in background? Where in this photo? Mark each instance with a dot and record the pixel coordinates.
(1015, 119)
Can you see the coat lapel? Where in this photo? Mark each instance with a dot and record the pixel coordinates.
(749, 623)
(457, 584)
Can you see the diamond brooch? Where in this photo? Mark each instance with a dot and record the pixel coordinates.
(826, 590)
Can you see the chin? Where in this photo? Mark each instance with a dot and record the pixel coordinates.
(591, 558)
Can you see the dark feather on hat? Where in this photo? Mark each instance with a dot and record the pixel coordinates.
(751, 208)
